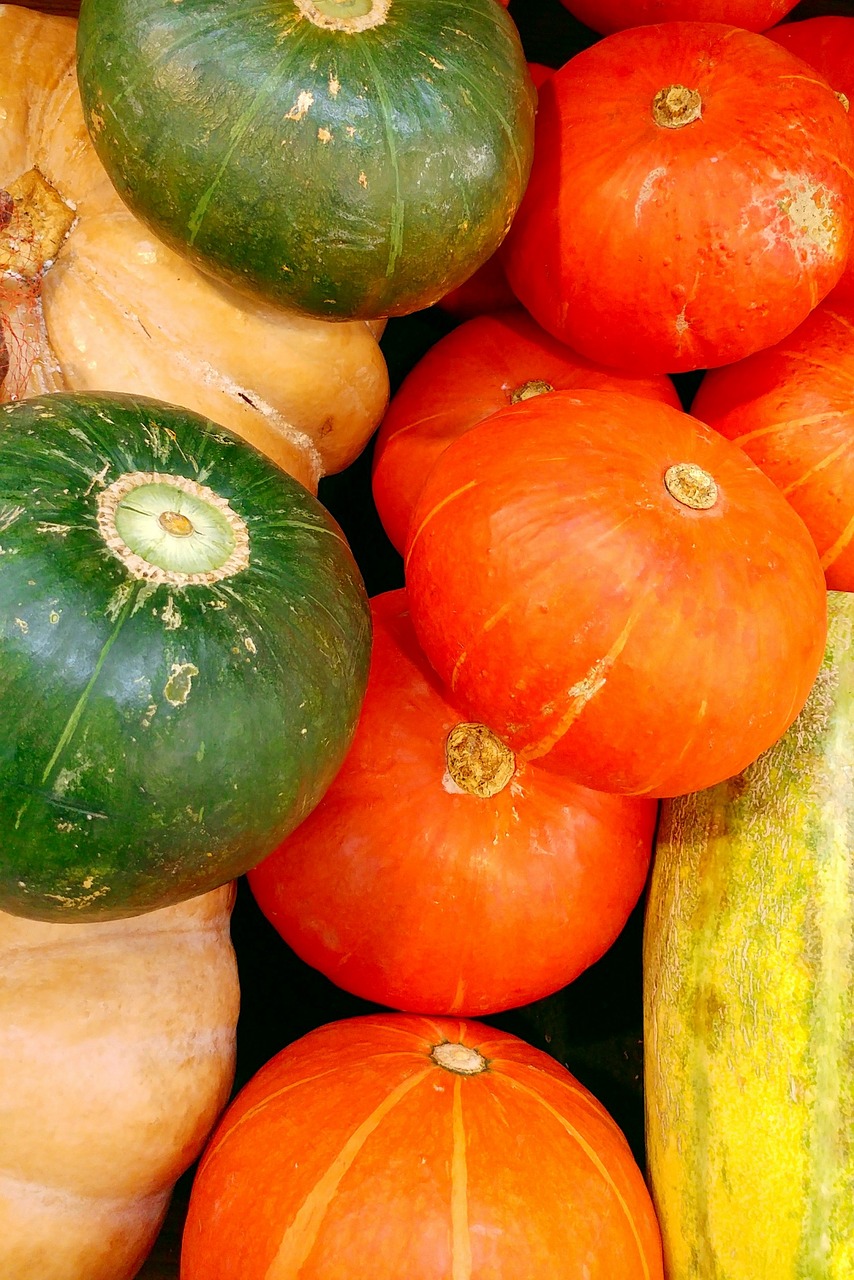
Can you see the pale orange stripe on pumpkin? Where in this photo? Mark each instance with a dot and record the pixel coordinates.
(254, 1111)
(832, 553)
(301, 1236)
(594, 1159)
(584, 691)
(818, 466)
(472, 484)
(461, 1263)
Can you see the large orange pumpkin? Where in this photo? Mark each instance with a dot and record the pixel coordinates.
(691, 199)
(399, 1147)
(616, 590)
(439, 876)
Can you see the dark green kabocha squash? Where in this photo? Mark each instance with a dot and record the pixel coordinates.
(184, 646)
(344, 158)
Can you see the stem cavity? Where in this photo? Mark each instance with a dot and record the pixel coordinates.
(170, 530)
(691, 485)
(478, 761)
(676, 106)
(350, 16)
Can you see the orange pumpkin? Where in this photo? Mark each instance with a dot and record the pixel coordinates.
(400, 1146)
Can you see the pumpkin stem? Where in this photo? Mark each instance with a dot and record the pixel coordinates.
(478, 761)
(676, 106)
(168, 529)
(34, 221)
(528, 390)
(691, 485)
(459, 1058)
(351, 16)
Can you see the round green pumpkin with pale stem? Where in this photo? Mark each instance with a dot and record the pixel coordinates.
(184, 646)
(346, 158)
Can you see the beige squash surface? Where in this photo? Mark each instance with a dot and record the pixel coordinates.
(117, 1044)
(115, 310)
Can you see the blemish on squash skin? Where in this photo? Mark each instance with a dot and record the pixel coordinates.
(300, 108)
(178, 687)
(8, 516)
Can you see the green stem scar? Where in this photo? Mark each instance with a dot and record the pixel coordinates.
(170, 530)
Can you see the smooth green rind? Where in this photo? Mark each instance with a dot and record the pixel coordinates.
(749, 1004)
(155, 740)
(338, 174)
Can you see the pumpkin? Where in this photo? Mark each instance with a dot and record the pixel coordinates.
(480, 367)
(117, 1055)
(691, 200)
(613, 15)
(437, 876)
(432, 1147)
(89, 300)
(749, 1004)
(184, 649)
(617, 591)
(791, 410)
(359, 159)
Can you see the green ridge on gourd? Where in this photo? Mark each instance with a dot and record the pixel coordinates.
(344, 159)
(184, 647)
(749, 993)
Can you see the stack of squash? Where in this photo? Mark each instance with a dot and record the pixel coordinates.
(619, 637)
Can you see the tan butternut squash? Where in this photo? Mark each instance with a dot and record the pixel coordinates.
(116, 1056)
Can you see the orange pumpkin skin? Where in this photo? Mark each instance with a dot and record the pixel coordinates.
(664, 248)
(791, 410)
(594, 620)
(411, 891)
(826, 43)
(354, 1152)
(613, 15)
(477, 369)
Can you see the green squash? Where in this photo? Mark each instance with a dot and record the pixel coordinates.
(749, 994)
(184, 645)
(344, 158)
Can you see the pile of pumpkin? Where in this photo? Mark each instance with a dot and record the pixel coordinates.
(615, 631)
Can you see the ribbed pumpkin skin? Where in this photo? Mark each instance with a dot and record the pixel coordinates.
(749, 1041)
(352, 1151)
(791, 409)
(661, 249)
(158, 740)
(341, 174)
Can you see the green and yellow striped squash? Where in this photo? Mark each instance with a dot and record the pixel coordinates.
(749, 1004)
